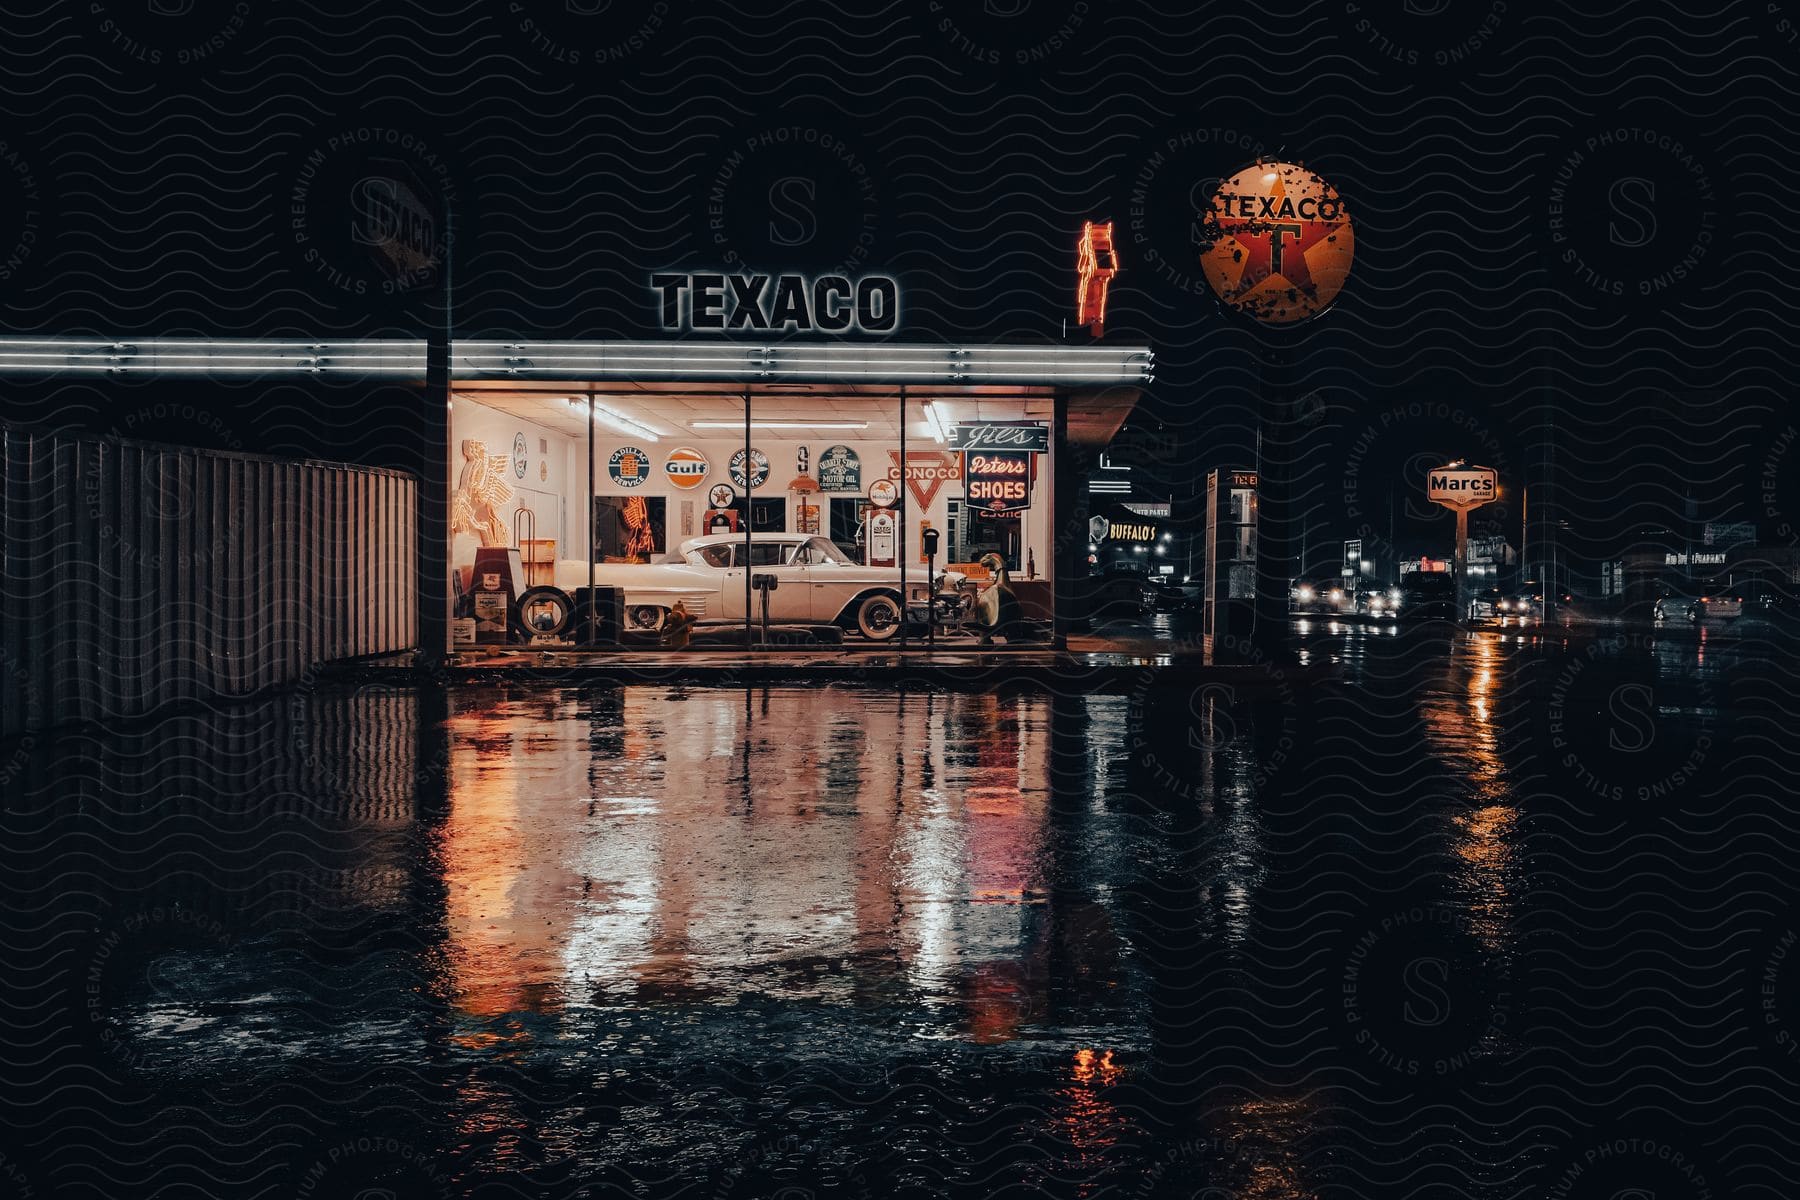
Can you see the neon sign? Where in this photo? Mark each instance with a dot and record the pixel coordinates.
(1095, 265)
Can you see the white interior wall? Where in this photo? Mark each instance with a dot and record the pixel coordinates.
(547, 484)
(555, 479)
(877, 458)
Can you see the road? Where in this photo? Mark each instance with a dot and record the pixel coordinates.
(1488, 914)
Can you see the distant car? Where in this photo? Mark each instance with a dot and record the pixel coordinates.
(1165, 595)
(1706, 607)
(1427, 596)
(1377, 604)
(1311, 598)
(1490, 604)
(1118, 594)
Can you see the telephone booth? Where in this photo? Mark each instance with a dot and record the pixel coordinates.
(1230, 564)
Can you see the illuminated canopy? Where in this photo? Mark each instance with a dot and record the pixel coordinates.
(1055, 366)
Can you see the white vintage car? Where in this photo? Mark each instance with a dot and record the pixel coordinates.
(815, 584)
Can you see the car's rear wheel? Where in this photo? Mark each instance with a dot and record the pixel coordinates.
(878, 617)
(646, 618)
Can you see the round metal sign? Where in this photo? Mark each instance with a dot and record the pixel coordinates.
(629, 467)
(722, 495)
(686, 467)
(759, 469)
(884, 493)
(1278, 243)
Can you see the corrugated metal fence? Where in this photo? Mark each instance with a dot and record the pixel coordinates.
(138, 576)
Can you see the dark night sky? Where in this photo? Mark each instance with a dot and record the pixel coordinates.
(1569, 221)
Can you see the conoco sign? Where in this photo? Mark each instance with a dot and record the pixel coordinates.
(1279, 243)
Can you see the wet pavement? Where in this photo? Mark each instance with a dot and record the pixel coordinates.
(1484, 914)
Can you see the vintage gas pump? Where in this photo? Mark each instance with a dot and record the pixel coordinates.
(495, 593)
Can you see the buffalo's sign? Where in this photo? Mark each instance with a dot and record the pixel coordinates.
(840, 470)
(997, 482)
(1458, 486)
(1278, 243)
(1132, 531)
(779, 303)
(1030, 437)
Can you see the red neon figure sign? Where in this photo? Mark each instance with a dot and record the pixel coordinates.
(1096, 264)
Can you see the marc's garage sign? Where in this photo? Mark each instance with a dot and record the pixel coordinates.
(1278, 243)
(686, 467)
(1458, 486)
(628, 466)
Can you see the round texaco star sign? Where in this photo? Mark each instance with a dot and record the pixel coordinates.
(1280, 243)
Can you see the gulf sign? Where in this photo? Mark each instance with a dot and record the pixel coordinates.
(686, 467)
(1278, 243)
(1457, 486)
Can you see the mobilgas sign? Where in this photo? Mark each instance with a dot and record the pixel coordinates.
(779, 303)
(994, 435)
(1457, 486)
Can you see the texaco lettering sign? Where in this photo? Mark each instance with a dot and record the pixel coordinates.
(1279, 243)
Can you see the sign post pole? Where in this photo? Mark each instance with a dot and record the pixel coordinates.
(593, 604)
(1462, 489)
(903, 516)
(1278, 249)
(1274, 510)
(1462, 562)
(749, 508)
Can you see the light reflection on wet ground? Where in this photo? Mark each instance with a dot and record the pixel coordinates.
(854, 941)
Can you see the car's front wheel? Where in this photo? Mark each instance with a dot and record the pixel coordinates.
(647, 618)
(878, 617)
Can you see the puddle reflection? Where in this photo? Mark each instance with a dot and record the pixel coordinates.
(732, 850)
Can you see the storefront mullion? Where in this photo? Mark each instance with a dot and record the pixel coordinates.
(905, 552)
(749, 514)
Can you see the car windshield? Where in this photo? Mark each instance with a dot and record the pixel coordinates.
(820, 550)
